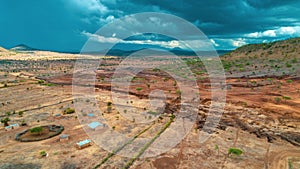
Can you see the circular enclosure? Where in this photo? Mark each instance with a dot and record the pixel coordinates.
(44, 133)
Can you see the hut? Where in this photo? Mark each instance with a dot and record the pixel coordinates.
(12, 126)
(84, 144)
(95, 124)
(63, 137)
(91, 115)
(57, 116)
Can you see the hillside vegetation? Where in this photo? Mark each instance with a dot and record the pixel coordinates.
(275, 58)
(289, 48)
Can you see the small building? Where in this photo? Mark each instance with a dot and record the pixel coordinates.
(58, 116)
(63, 137)
(95, 124)
(84, 144)
(12, 126)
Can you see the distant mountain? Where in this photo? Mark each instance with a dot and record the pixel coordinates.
(176, 51)
(124, 51)
(22, 47)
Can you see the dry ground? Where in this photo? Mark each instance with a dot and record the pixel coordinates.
(261, 116)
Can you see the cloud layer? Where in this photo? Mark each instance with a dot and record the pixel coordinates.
(66, 24)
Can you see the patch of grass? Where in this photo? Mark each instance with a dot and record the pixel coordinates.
(290, 163)
(152, 113)
(235, 151)
(48, 84)
(139, 88)
(286, 97)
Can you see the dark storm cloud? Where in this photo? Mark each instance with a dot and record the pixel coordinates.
(65, 24)
(233, 17)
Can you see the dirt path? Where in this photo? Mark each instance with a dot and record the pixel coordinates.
(279, 160)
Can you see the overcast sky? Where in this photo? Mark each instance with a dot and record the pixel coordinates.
(65, 25)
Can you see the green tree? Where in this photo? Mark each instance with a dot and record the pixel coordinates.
(5, 121)
(36, 130)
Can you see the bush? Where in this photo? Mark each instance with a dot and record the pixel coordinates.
(69, 111)
(139, 89)
(43, 153)
(235, 151)
(41, 82)
(20, 113)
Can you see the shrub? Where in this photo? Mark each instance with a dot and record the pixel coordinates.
(23, 123)
(288, 65)
(235, 151)
(139, 89)
(5, 121)
(69, 111)
(277, 100)
(20, 113)
(289, 81)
